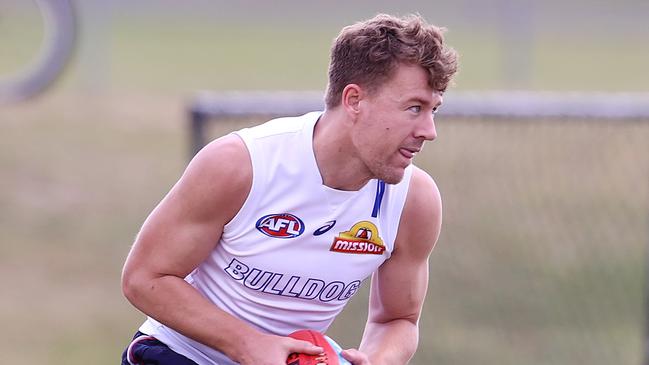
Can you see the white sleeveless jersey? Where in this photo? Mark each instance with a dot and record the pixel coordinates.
(297, 250)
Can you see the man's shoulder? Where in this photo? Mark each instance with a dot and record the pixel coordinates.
(224, 148)
(422, 213)
(224, 157)
(424, 202)
(423, 186)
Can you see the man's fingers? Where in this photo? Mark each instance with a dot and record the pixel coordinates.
(305, 347)
(355, 357)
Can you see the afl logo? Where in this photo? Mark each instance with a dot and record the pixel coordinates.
(282, 225)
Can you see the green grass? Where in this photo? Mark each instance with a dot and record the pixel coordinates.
(280, 58)
(21, 35)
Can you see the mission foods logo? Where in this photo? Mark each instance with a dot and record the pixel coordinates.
(282, 225)
(362, 238)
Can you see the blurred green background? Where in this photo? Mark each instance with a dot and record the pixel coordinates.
(542, 254)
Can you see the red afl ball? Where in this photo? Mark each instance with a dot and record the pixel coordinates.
(330, 356)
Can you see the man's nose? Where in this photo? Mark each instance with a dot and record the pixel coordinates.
(426, 130)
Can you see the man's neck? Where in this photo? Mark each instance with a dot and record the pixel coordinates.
(338, 162)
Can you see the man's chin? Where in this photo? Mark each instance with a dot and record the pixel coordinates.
(393, 176)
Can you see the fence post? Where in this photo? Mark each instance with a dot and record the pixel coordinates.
(197, 121)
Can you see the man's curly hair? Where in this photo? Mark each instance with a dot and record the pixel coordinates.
(368, 52)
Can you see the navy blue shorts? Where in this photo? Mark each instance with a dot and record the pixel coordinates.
(146, 350)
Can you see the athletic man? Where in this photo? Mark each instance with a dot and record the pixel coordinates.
(273, 228)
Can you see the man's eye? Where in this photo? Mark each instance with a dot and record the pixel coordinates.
(415, 108)
(435, 109)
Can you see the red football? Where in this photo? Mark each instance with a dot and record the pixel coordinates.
(331, 356)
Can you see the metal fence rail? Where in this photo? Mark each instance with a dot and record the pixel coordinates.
(211, 106)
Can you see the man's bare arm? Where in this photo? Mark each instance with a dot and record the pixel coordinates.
(399, 286)
(178, 235)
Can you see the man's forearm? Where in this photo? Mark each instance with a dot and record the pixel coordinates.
(175, 303)
(390, 343)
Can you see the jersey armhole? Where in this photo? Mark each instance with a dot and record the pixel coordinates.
(244, 211)
(398, 197)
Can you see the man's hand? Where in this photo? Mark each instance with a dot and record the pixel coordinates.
(356, 357)
(273, 350)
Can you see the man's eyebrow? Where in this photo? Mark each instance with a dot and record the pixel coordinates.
(417, 99)
(423, 101)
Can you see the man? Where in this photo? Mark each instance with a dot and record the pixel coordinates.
(273, 228)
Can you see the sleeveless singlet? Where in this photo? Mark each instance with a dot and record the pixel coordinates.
(297, 250)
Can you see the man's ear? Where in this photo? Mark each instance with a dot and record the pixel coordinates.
(351, 97)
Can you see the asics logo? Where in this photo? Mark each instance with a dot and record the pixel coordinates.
(322, 230)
